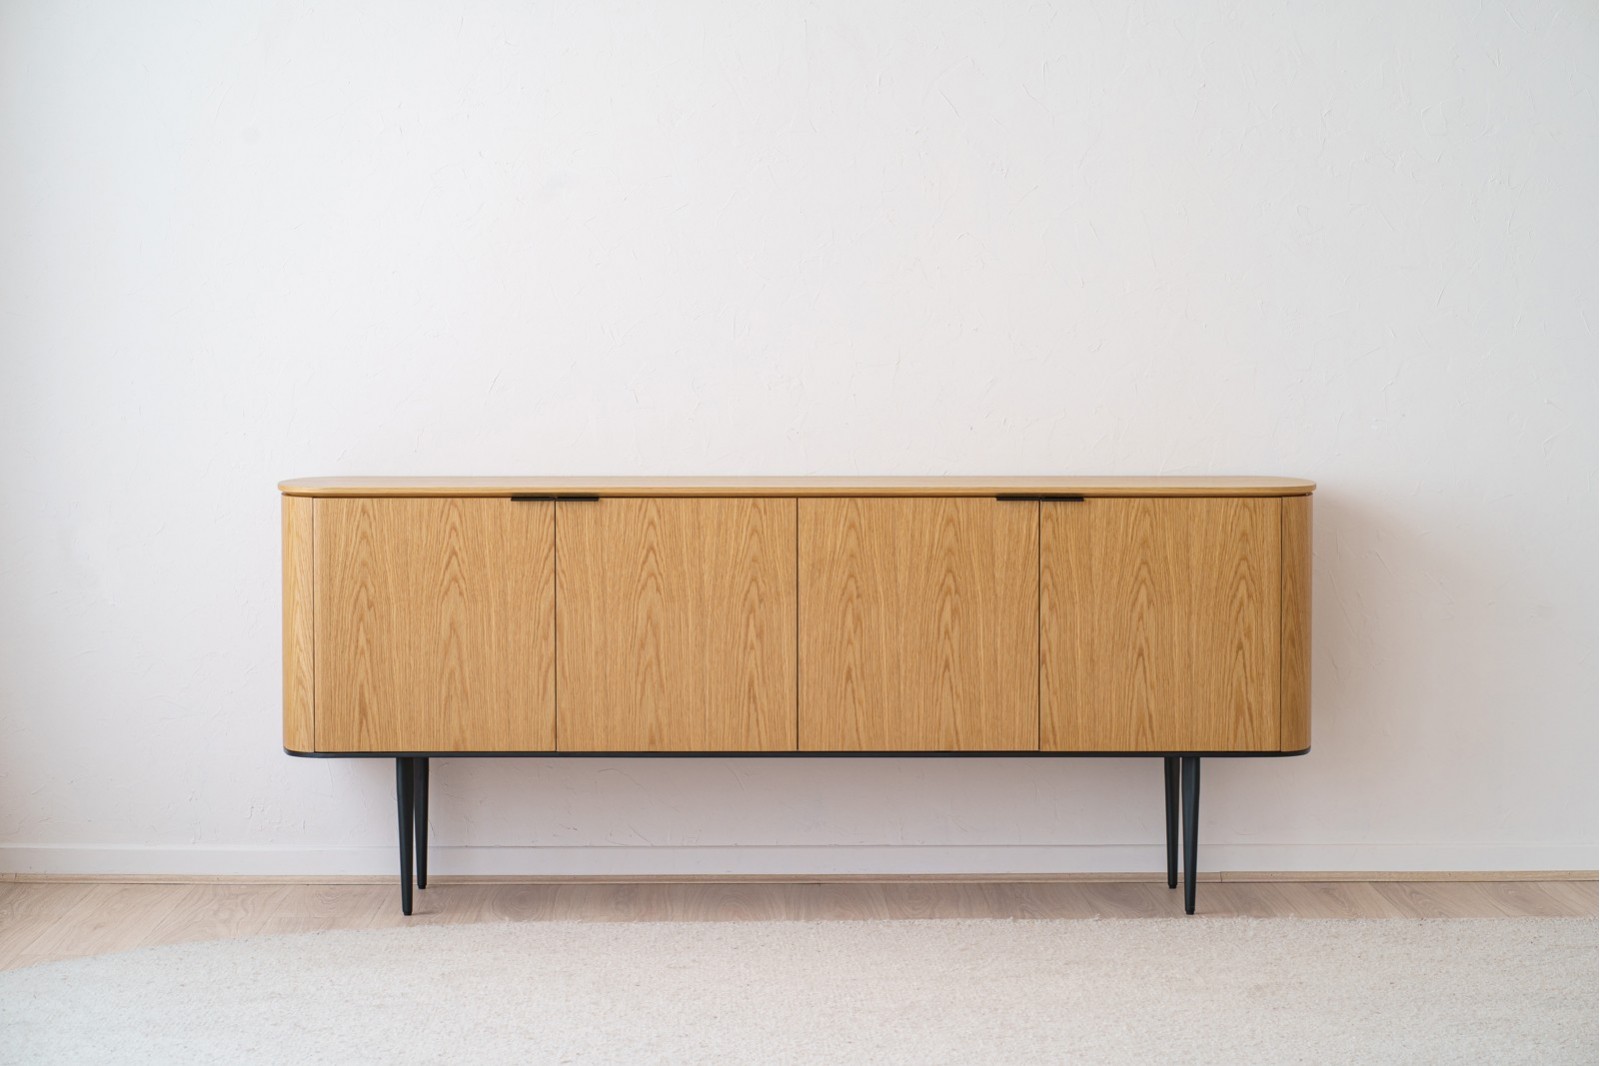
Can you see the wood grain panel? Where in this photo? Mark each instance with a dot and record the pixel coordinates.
(1159, 625)
(435, 625)
(299, 691)
(676, 626)
(918, 625)
(1295, 693)
(796, 486)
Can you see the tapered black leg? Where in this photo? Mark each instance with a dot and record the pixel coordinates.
(403, 777)
(421, 829)
(1170, 772)
(1191, 820)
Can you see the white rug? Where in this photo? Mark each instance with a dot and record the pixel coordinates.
(1192, 990)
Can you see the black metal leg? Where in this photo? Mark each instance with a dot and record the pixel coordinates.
(421, 829)
(1191, 819)
(1170, 772)
(403, 776)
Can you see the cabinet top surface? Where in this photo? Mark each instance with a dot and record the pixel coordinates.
(796, 486)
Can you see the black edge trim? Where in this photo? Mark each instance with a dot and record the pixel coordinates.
(790, 754)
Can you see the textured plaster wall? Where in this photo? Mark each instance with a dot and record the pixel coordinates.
(1353, 242)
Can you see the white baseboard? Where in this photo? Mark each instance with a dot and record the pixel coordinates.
(888, 860)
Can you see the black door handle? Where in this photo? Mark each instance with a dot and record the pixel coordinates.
(555, 499)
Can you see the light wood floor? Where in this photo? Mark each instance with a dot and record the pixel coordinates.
(42, 921)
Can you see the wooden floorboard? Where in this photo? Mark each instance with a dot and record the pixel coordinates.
(42, 921)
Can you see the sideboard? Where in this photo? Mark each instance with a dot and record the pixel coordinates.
(797, 617)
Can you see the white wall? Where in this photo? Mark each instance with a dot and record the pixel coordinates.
(1352, 242)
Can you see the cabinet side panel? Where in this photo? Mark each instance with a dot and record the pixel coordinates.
(435, 625)
(299, 684)
(1295, 695)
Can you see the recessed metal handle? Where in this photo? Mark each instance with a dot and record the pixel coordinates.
(555, 499)
(1037, 497)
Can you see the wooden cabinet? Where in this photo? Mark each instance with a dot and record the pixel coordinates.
(919, 624)
(433, 625)
(789, 616)
(676, 628)
(720, 615)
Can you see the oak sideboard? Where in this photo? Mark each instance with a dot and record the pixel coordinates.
(1037, 616)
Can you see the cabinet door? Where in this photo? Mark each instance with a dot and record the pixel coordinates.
(1159, 625)
(676, 628)
(919, 624)
(435, 626)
